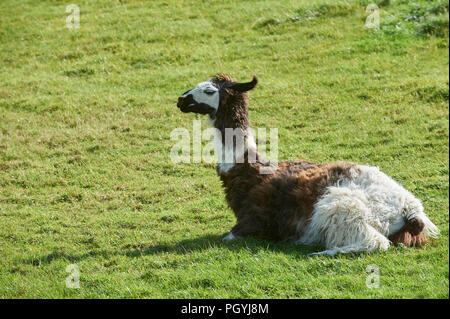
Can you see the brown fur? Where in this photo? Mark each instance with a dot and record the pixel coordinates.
(277, 206)
(410, 235)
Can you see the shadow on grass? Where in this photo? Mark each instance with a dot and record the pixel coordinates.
(252, 245)
(188, 246)
(60, 255)
(184, 247)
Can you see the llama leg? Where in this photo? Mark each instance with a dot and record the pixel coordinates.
(341, 220)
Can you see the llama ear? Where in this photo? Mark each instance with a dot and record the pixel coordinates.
(244, 87)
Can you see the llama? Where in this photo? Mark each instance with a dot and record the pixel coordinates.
(343, 206)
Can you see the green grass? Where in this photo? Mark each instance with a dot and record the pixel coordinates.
(85, 122)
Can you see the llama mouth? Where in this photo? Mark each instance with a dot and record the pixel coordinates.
(188, 104)
(185, 108)
(200, 108)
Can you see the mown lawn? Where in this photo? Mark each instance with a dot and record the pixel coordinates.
(85, 121)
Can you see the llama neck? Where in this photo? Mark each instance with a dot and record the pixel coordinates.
(233, 138)
(233, 147)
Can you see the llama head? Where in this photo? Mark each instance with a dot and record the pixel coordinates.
(215, 95)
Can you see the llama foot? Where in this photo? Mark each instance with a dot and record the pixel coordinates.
(230, 237)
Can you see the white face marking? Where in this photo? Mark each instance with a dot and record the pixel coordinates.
(205, 92)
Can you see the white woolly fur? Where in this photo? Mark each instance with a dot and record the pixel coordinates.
(359, 213)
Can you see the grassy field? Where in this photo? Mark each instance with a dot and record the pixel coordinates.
(85, 122)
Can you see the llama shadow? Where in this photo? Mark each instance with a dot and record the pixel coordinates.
(61, 255)
(184, 247)
(252, 245)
